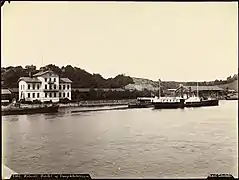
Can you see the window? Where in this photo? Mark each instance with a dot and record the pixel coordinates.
(68, 86)
(29, 86)
(54, 86)
(50, 86)
(59, 94)
(33, 86)
(54, 94)
(63, 94)
(46, 79)
(38, 86)
(45, 94)
(50, 94)
(29, 95)
(59, 86)
(64, 87)
(54, 79)
(68, 94)
(33, 95)
(38, 95)
(45, 86)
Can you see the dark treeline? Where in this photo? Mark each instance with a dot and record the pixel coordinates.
(110, 95)
(79, 77)
(83, 79)
(174, 84)
(229, 79)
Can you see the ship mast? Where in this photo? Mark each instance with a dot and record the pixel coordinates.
(159, 88)
(197, 89)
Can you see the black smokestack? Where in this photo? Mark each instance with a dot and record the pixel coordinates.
(30, 74)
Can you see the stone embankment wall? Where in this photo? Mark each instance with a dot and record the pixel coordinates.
(98, 103)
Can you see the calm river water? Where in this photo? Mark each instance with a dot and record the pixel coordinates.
(125, 143)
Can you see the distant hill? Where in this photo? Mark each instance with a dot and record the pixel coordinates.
(233, 85)
(83, 79)
(141, 84)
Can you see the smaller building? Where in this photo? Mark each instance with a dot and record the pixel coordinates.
(6, 96)
(15, 93)
(169, 92)
(203, 91)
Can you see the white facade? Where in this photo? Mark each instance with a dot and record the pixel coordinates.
(44, 86)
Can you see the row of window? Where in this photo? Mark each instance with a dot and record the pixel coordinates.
(64, 86)
(33, 95)
(51, 86)
(37, 86)
(37, 95)
(50, 79)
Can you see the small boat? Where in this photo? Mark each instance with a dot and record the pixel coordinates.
(232, 97)
(210, 102)
(193, 102)
(18, 109)
(142, 102)
(197, 102)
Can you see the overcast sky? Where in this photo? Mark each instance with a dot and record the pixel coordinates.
(171, 41)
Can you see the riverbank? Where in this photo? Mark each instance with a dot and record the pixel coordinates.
(98, 103)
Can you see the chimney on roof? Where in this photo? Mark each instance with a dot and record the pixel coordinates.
(30, 75)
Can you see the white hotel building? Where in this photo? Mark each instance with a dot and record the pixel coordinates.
(44, 86)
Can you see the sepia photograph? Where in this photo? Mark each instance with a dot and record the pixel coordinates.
(114, 89)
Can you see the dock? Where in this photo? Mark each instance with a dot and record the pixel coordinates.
(100, 109)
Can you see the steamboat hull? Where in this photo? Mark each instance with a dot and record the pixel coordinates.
(139, 106)
(169, 105)
(193, 104)
(202, 103)
(213, 102)
(231, 98)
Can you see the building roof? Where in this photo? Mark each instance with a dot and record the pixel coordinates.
(65, 80)
(204, 88)
(14, 90)
(29, 79)
(43, 72)
(5, 91)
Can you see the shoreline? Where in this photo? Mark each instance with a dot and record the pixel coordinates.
(98, 103)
